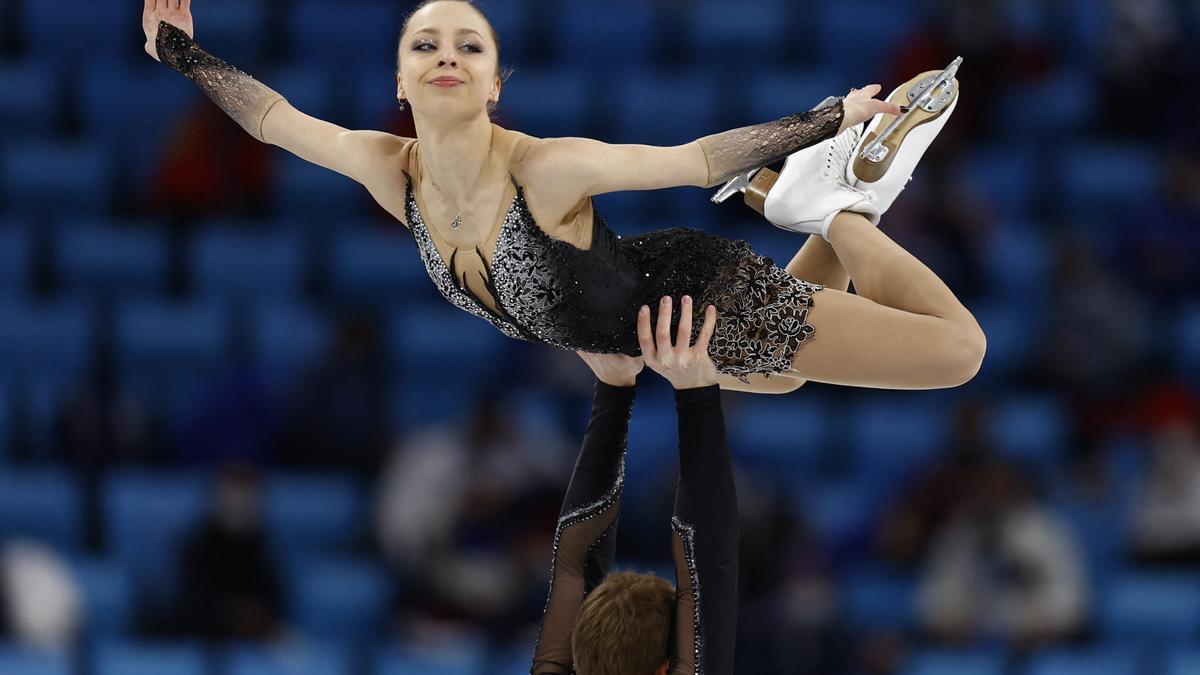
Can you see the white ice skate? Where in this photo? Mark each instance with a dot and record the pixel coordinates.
(883, 162)
(892, 145)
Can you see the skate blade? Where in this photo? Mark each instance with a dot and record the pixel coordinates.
(741, 182)
(927, 96)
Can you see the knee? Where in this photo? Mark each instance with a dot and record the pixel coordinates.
(967, 352)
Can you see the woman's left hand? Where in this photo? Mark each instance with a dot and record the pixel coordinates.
(860, 106)
(616, 370)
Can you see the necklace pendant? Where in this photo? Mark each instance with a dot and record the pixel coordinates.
(457, 222)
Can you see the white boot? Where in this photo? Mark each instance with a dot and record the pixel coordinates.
(886, 166)
(812, 188)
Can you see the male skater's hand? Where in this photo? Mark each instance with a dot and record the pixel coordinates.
(616, 370)
(684, 366)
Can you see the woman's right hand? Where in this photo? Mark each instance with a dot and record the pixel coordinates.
(178, 13)
(684, 365)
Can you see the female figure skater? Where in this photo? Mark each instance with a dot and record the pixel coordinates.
(505, 225)
(640, 624)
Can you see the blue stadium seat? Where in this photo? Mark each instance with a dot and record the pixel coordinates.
(743, 35)
(152, 336)
(595, 36)
(1030, 429)
(466, 657)
(147, 516)
(150, 659)
(298, 659)
(776, 92)
(861, 36)
(374, 97)
(1148, 607)
(16, 256)
(1011, 331)
(1059, 105)
(303, 189)
(235, 30)
(441, 341)
(56, 176)
(1183, 662)
(653, 438)
(6, 424)
(1098, 178)
(231, 265)
(1017, 261)
(889, 434)
(1098, 661)
(835, 509)
(1007, 175)
(44, 505)
(412, 403)
(287, 341)
(515, 24)
(53, 36)
(651, 103)
(24, 661)
(377, 266)
(135, 110)
(878, 599)
(28, 93)
(940, 662)
(45, 342)
(344, 599)
(548, 102)
(358, 34)
(108, 596)
(779, 434)
(97, 257)
(313, 513)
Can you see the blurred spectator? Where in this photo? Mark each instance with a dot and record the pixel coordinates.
(337, 417)
(40, 599)
(905, 528)
(211, 166)
(1005, 566)
(457, 508)
(229, 588)
(1166, 516)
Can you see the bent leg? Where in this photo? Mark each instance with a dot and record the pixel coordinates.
(862, 343)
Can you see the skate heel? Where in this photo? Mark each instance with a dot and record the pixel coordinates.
(928, 96)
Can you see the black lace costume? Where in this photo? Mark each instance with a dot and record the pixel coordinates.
(547, 290)
(704, 528)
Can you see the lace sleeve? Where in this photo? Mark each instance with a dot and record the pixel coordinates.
(739, 150)
(242, 97)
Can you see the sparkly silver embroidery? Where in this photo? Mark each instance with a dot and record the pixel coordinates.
(687, 534)
(440, 273)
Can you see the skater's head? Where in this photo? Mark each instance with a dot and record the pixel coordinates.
(624, 626)
(449, 39)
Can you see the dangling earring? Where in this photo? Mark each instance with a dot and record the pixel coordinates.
(403, 104)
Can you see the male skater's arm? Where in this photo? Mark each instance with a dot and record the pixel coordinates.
(585, 536)
(705, 523)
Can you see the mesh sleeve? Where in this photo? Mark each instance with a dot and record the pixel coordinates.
(740, 150)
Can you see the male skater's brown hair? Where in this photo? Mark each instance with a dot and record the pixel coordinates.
(624, 626)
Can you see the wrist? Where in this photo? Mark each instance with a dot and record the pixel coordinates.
(619, 382)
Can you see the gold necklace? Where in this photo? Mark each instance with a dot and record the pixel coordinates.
(457, 222)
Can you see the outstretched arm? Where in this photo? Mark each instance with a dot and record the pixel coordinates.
(585, 167)
(705, 524)
(585, 537)
(261, 111)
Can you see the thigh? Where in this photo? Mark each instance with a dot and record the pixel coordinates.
(859, 342)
